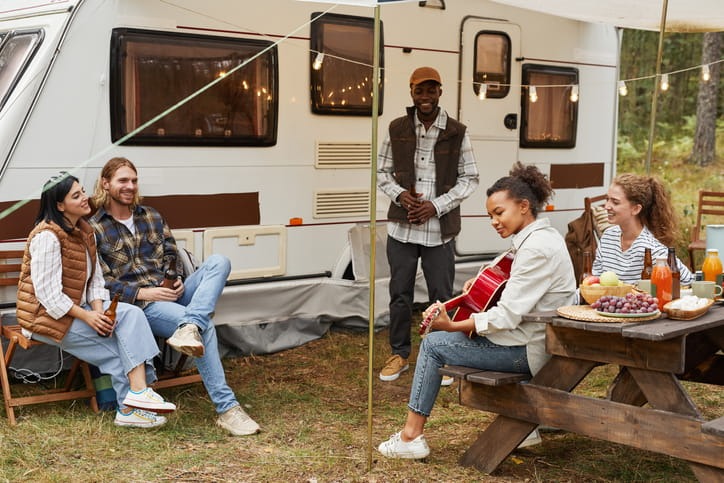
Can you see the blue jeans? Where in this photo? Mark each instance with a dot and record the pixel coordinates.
(196, 306)
(130, 345)
(457, 349)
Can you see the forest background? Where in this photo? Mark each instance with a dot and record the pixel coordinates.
(688, 142)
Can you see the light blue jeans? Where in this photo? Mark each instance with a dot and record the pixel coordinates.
(196, 306)
(457, 349)
(130, 345)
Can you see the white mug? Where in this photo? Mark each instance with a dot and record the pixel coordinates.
(706, 290)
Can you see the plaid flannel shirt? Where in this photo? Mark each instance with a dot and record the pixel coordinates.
(131, 262)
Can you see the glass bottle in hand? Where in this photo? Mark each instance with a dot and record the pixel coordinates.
(170, 275)
(110, 312)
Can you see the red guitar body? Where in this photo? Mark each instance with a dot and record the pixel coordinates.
(484, 293)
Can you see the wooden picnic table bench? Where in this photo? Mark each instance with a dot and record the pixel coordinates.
(653, 358)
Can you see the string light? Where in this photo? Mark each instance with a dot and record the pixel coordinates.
(483, 91)
(318, 61)
(574, 93)
(705, 73)
(622, 89)
(532, 94)
(665, 82)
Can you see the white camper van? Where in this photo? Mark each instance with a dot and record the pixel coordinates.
(254, 145)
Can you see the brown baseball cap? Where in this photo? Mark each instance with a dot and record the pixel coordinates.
(422, 74)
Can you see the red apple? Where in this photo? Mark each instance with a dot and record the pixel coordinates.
(591, 280)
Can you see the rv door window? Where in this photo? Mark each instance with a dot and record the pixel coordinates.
(185, 90)
(16, 50)
(549, 111)
(341, 58)
(492, 64)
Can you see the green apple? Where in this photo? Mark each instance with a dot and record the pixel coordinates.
(609, 279)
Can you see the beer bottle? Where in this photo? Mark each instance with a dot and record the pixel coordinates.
(110, 312)
(170, 275)
(675, 274)
(648, 265)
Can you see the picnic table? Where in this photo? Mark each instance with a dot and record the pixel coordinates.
(653, 358)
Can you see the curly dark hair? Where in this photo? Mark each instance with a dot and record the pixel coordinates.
(525, 183)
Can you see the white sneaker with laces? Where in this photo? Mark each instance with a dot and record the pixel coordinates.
(187, 340)
(138, 418)
(396, 448)
(149, 400)
(237, 422)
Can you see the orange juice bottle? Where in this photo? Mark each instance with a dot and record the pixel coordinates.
(661, 277)
(712, 265)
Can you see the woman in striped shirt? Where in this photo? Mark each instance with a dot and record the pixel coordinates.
(640, 210)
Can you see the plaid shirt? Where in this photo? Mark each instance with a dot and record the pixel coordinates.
(427, 234)
(131, 262)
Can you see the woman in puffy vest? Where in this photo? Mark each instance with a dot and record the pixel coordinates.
(61, 301)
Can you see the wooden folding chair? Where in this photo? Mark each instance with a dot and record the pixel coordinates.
(10, 261)
(711, 205)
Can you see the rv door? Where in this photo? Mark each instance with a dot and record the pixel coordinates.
(489, 104)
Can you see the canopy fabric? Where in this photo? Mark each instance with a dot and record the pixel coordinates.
(682, 15)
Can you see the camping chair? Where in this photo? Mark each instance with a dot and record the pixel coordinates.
(585, 231)
(10, 261)
(711, 203)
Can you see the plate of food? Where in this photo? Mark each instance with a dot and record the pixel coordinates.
(636, 315)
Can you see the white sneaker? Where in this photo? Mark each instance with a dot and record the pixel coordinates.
(396, 448)
(187, 340)
(531, 440)
(138, 418)
(149, 400)
(237, 422)
(447, 381)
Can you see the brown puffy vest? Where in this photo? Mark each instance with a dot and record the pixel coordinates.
(403, 141)
(31, 314)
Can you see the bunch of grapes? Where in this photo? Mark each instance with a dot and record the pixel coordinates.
(632, 303)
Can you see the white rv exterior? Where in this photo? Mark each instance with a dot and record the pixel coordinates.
(312, 182)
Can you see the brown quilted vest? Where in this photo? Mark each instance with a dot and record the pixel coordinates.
(403, 141)
(31, 314)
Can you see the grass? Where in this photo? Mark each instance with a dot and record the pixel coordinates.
(312, 404)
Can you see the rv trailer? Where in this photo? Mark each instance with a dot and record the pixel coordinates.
(250, 124)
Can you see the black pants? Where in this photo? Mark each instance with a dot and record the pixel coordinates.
(438, 266)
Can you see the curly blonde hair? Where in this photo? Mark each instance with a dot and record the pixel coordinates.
(657, 213)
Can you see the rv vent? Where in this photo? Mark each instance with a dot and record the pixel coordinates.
(341, 203)
(342, 155)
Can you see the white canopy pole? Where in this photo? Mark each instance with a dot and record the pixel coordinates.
(657, 86)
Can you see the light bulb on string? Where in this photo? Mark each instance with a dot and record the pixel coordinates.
(532, 94)
(482, 91)
(664, 82)
(705, 73)
(574, 93)
(318, 61)
(622, 89)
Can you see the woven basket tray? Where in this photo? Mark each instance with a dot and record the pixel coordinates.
(679, 314)
(587, 314)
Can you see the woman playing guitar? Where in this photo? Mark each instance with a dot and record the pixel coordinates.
(541, 278)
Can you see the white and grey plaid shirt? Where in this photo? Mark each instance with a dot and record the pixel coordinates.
(427, 234)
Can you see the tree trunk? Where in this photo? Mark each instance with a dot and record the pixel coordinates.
(703, 152)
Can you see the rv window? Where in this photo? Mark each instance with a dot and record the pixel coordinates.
(185, 79)
(492, 64)
(549, 113)
(16, 50)
(341, 78)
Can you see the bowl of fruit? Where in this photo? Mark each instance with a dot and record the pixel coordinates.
(607, 284)
(633, 304)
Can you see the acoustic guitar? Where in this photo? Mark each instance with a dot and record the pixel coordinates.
(483, 294)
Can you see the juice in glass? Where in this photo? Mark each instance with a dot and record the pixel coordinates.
(661, 277)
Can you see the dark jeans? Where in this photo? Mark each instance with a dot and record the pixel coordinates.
(438, 266)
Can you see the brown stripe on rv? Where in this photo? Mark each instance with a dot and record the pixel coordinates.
(180, 211)
(576, 175)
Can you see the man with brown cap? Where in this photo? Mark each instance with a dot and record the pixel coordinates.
(427, 168)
